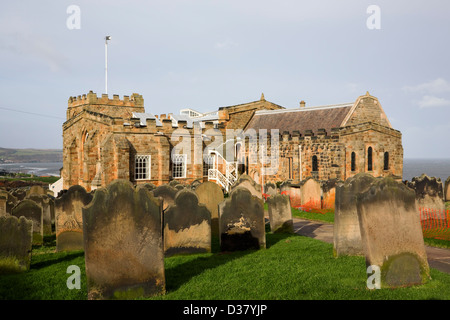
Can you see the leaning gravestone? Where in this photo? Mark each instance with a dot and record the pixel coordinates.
(32, 211)
(15, 244)
(346, 231)
(211, 195)
(280, 214)
(69, 218)
(392, 234)
(167, 193)
(123, 243)
(241, 221)
(187, 225)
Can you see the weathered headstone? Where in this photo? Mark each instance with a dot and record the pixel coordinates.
(3, 200)
(429, 192)
(36, 190)
(196, 183)
(211, 195)
(280, 214)
(123, 243)
(241, 221)
(15, 244)
(44, 202)
(247, 182)
(69, 218)
(447, 190)
(346, 230)
(167, 193)
(294, 192)
(11, 202)
(187, 225)
(329, 193)
(392, 234)
(32, 211)
(311, 193)
(270, 189)
(149, 186)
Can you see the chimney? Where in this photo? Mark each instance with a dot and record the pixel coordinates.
(302, 104)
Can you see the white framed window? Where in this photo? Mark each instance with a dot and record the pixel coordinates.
(208, 163)
(179, 165)
(142, 167)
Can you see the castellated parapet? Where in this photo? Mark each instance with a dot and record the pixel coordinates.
(103, 104)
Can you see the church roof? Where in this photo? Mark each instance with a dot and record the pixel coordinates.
(301, 119)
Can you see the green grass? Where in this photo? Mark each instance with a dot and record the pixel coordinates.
(50, 179)
(292, 267)
(324, 215)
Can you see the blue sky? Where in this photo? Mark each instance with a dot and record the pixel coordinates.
(207, 54)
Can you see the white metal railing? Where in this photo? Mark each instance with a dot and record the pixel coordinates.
(231, 172)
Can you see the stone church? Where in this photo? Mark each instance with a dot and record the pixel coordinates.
(106, 139)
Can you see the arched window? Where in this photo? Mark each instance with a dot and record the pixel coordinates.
(369, 159)
(386, 161)
(315, 164)
(353, 161)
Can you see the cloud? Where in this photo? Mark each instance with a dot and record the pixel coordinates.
(439, 85)
(432, 101)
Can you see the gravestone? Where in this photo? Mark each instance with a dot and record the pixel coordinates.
(241, 221)
(270, 189)
(294, 192)
(149, 186)
(447, 190)
(280, 214)
(196, 183)
(69, 218)
(123, 243)
(187, 225)
(429, 192)
(3, 200)
(329, 193)
(32, 211)
(247, 182)
(44, 202)
(346, 231)
(311, 193)
(392, 234)
(11, 202)
(211, 195)
(167, 193)
(15, 244)
(36, 190)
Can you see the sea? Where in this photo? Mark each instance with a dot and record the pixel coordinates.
(439, 168)
(37, 168)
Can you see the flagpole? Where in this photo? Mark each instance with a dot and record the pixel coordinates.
(106, 63)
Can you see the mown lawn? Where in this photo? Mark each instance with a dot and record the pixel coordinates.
(292, 267)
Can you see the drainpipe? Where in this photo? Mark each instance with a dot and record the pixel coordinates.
(300, 161)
